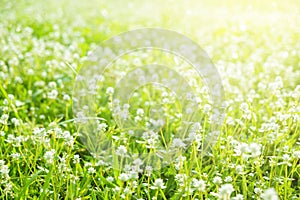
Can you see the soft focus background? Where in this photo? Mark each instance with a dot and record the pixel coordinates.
(255, 46)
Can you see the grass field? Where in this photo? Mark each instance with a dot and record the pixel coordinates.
(254, 45)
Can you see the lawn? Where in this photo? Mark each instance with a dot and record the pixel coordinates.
(81, 119)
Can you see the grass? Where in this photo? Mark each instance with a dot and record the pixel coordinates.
(43, 152)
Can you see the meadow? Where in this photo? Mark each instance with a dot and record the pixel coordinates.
(45, 152)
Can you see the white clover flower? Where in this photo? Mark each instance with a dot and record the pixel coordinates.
(91, 170)
(19, 103)
(15, 121)
(179, 162)
(225, 191)
(88, 164)
(230, 121)
(39, 132)
(49, 156)
(110, 179)
(110, 91)
(158, 184)
(165, 100)
(18, 140)
(76, 159)
(69, 139)
(52, 84)
(244, 107)
(228, 179)
(124, 177)
(134, 174)
(11, 97)
(3, 119)
(286, 160)
(66, 97)
(140, 112)
(137, 119)
(121, 151)
(199, 185)
(180, 178)
(102, 127)
(241, 149)
(101, 163)
(296, 154)
(2, 162)
(257, 190)
(269, 194)
(15, 156)
(5, 102)
(52, 94)
(255, 149)
(148, 170)
(4, 169)
(2, 133)
(217, 180)
(238, 197)
(206, 108)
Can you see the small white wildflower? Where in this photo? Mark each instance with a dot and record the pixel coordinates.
(15, 121)
(158, 184)
(296, 154)
(15, 156)
(2, 133)
(206, 108)
(110, 179)
(91, 170)
(255, 149)
(257, 190)
(102, 127)
(238, 197)
(181, 178)
(76, 159)
(137, 119)
(52, 85)
(148, 170)
(52, 94)
(269, 194)
(19, 103)
(121, 151)
(66, 97)
(110, 90)
(101, 163)
(225, 191)
(134, 174)
(49, 156)
(4, 170)
(217, 180)
(241, 149)
(140, 112)
(124, 177)
(11, 97)
(3, 119)
(228, 179)
(165, 100)
(198, 184)
(244, 107)
(239, 169)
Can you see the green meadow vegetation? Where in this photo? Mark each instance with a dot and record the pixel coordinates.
(255, 45)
